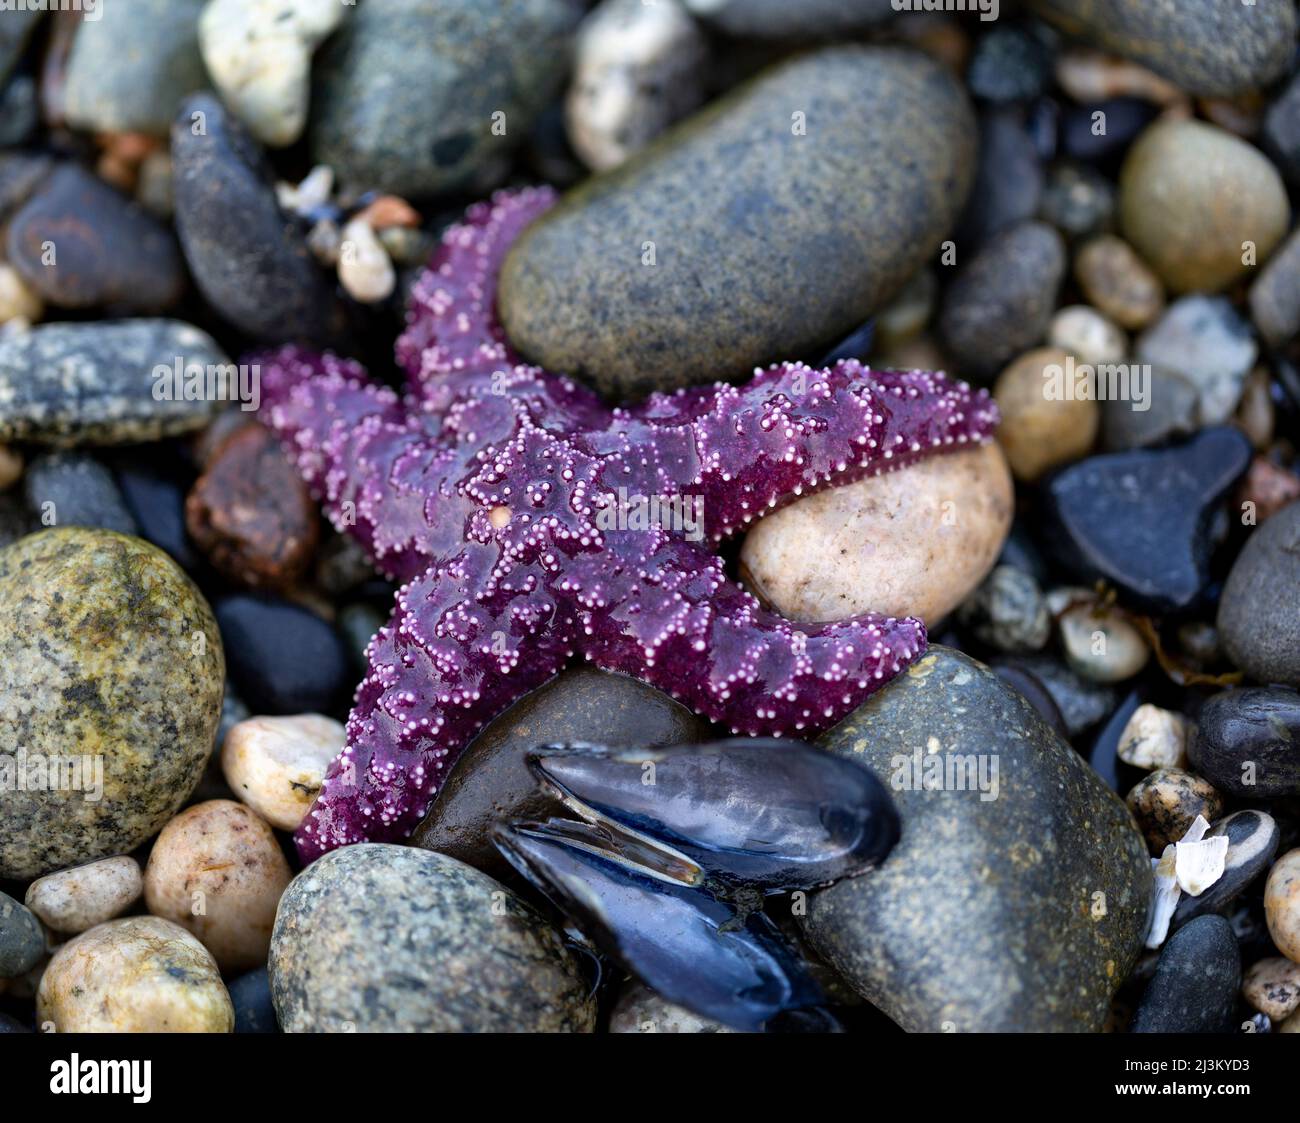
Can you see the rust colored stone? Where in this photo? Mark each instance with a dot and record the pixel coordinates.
(1269, 486)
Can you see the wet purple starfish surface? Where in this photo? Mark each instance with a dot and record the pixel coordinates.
(530, 524)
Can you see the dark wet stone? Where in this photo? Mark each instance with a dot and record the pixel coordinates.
(251, 996)
(1211, 48)
(22, 940)
(376, 938)
(1252, 844)
(1173, 406)
(418, 122)
(1008, 179)
(1001, 301)
(358, 623)
(1259, 635)
(15, 519)
(1088, 137)
(769, 240)
(1103, 753)
(1196, 981)
(1279, 134)
(19, 112)
(20, 174)
(856, 345)
(283, 659)
(778, 19)
(249, 260)
(108, 648)
(1248, 742)
(1035, 693)
(11, 1025)
(1009, 63)
(107, 250)
(1077, 200)
(250, 512)
(153, 484)
(1008, 611)
(80, 491)
(1081, 703)
(15, 29)
(1275, 295)
(1140, 519)
(491, 781)
(1166, 802)
(1046, 885)
(94, 383)
(128, 73)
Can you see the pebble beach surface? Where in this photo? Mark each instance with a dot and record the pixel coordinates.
(336, 693)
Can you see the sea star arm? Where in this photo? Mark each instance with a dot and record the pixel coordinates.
(673, 619)
(742, 451)
(457, 651)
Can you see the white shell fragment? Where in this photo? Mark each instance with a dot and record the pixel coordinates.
(1190, 865)
(1164, 896)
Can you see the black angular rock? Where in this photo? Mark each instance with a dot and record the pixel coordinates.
(1253, 838)
(1139, 520)
(282, 658)
(1248, 742)
(249, 259)
(1196, 981)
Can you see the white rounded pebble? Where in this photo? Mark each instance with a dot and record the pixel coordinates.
(365, 269)
(276, 765)
(1154, 738)
(1085, 333)
(1099, 642)
(76, 899)
(218, 871)
(140, 974)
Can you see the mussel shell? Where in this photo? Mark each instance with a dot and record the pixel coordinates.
(774, 815)
(682, 942)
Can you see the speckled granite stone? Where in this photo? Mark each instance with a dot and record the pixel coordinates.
(66, 384)
(1019, 913)
(108, 652)
(380, 938)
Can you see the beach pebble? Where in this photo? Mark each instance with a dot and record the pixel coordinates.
(1002, 300)
(1009, 178)
(365, 269)
(74, 489)
(250, 263)
(1077, 199)
(1272, 986)
(103, 381)
(11, 466)
(1258, 638)
(778, 19)
(715, 254)
(218, 871)
(1044, 423)
(258, 53)
(443, 118)
(1008, 611)
(1087, 335)
(1248, 742)
(1203, 339)
(1160, 405)
(1048, 893)
(73, 900)
(250, 512)
(1139, 519)
(491, 782)
(107, 645)
(1203, 46)
(640, 1010)
(1253, 838)
(1282, 904)
(1154, 738)
(437, 947)
(141, 974)
(1192, 196)
(22, 940)
(127, 73)
(637, 69)
(1099, 642)
(1167, 802)
(915, 542)
(1118, 282)
(1194, 989)
(1275, 294)
(1267, 489)
(276, 764)
(18, 300)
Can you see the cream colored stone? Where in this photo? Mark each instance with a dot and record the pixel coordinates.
(914, 542)
(1086, 334)
(76, 899)
(1272, 986)
(365, 269)
(1282, 904)
(1154, 738)
(1040, 431)
(141, 974)
(11, 467)
(1099, 641)
(218, 871)
(276, 765)
(18, 300)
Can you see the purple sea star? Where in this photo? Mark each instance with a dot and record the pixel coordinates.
(513, 504)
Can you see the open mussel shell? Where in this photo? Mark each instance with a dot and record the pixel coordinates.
(681, 941)
(767, 814)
